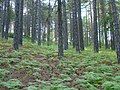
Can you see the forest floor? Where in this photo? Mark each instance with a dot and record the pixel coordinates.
(36, 67)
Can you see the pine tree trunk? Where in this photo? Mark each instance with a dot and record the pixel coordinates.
(71, 28)
(75, 26)
(116, 26)
(60, 32)
(48, 30)
(39, 22)
(112, 32)
(21, 22)
(65, 34)
(33, 13)
(7, 19)
(16, 28)
(1, 17)
(96, 48)
(4, 18)
(80, 26)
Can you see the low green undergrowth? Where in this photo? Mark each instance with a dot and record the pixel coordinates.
(36, 67)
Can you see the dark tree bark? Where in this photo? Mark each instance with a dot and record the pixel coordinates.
(7, 19)
(28, 20)
(96, 48)
(1, 17)
(71, 28)
(16, 28)
(116, 26)
(28, 24)
(75, 26)
(87, 30)
(60, 32)
(39, 22)
(80, 26)
(99, 25)
(33, 13)
(65, 29)
(48, 30)
(21, 22)
(106, 38)
(91, 23)
(112, 32)
(56, 31)
(104, 24)
(44, 36)
(4, 18)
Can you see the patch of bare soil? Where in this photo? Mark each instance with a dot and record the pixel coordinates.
(45, 74)
(4, 65)
(3, 88)
(106, 62)
(23, 76)
(40, 58)
(53, 66)
(10, 50)
(80, 71)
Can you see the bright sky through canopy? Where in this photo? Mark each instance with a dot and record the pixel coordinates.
(53, 1)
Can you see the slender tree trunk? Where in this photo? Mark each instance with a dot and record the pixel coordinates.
(71, 28)
(80, 26)
(104, 24)
(4, 18)
(75, 26)
(39, 23)
(56, 29)
(1, 17)
(91, 22)
(112, 32)
(48, 30)
(99, 25)
(65, 34)
(116, 26)
(87, 31)
(60, 32)
(96, 48)
(21, 22)
(7, 19)
(28, 21)
(16, 28)
(33, 12)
